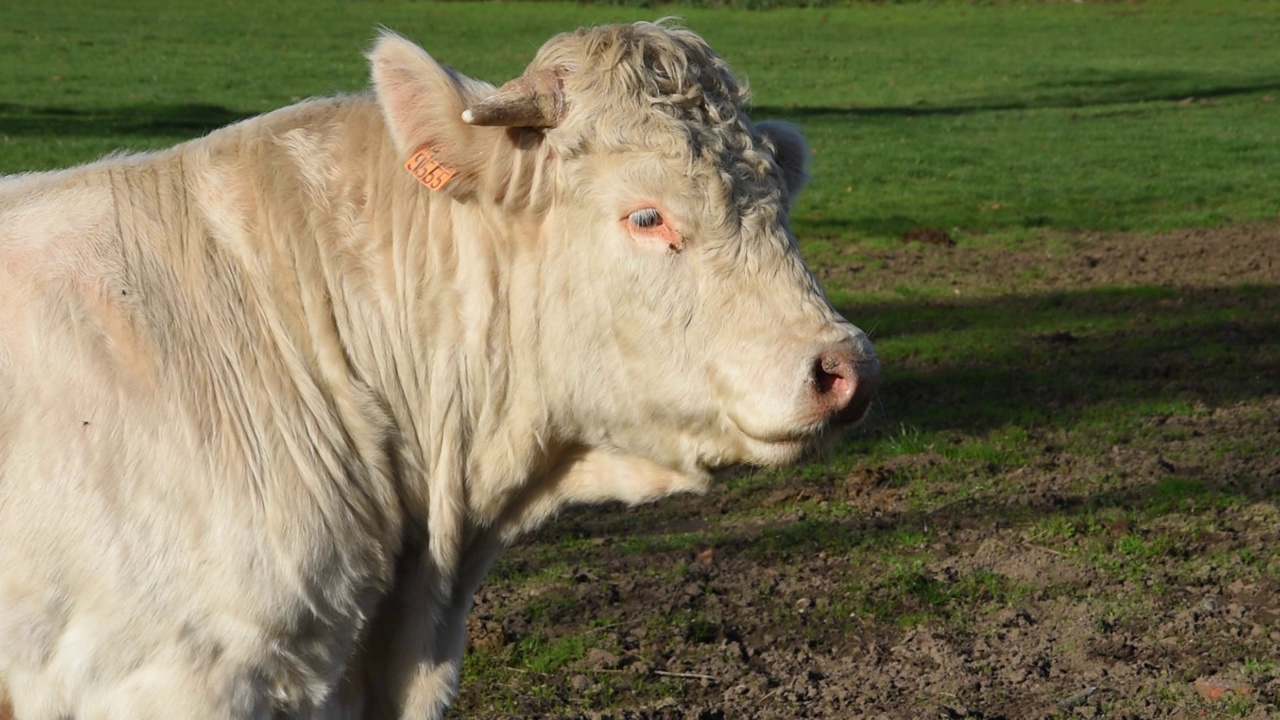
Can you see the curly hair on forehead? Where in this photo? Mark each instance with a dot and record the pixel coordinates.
(668, 66)
(661, 65)
(617, 74)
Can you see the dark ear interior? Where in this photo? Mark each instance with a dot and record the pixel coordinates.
(791, 153)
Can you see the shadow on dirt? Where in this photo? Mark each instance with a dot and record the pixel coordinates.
(812, 535)
(661, 535)
(190, 119)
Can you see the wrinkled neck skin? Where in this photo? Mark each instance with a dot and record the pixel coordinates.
(478, 362)
(437, 303)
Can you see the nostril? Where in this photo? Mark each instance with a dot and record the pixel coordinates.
(844, 380)
(833, 378)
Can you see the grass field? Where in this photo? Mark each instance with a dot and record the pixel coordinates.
(1066, 500)
(1111, 117)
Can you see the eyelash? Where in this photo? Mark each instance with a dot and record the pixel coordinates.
(646, 218)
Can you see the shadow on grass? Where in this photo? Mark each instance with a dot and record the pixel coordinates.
(1138, 496)
(190, 119)
(1052, 359)
(1045, 361)
(1085, 91)
(668, 535)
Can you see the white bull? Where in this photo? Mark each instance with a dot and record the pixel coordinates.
(271, 400)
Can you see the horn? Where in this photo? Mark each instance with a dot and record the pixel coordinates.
(535, 100)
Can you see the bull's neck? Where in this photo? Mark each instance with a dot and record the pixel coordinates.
(421, 304)
(438, 318)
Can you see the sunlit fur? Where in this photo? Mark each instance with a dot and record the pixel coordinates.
(269, 408)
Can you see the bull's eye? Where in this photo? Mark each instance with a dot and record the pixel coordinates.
(649, 228)
(646, 218)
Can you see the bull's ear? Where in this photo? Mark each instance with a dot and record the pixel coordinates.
(791, 153)
(422, 102)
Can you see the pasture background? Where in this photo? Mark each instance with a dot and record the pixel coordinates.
(1061, 224)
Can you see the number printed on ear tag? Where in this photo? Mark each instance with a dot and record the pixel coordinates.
(428, 170)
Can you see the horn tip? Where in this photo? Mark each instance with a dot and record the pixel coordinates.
(468, 117)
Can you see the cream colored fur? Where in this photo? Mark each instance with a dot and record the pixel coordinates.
(269, 407)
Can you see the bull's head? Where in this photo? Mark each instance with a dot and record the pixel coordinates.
(672, 315)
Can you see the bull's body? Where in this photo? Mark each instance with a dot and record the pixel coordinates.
(269, 407)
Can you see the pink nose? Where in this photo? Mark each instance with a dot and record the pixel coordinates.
(844, 381)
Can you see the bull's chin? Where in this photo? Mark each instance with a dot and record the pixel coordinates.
(795, 445)
(765, 450)
(786, 450)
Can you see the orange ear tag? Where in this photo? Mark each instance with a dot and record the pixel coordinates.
(429, 171)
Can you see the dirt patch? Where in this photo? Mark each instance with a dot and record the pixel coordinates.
(1125, 575)
(1221, 257)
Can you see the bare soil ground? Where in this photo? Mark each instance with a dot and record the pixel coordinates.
(1125, 574)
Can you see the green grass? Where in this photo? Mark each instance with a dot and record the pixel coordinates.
(1004, 118)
